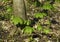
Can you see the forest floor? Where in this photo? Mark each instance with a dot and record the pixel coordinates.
(11, 33)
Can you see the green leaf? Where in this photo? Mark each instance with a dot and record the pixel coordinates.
(46, 31)
(17, 20)
(28, 30)
(47, 6)
(9, 9)
(39, 28)
(40, 15)
(27, 22)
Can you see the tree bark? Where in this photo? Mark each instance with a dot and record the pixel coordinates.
(19, 8)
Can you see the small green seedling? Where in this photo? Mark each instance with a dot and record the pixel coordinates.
(40, 15)
(28, 30)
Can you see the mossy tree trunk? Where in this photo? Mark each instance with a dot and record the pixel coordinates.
(19, 8)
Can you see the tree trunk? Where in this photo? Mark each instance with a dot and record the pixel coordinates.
(19, 8)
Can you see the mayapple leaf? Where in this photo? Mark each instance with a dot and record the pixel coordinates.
(47, 6)
(17, 20)
(28, 30)
(39, 27)
(46, 31)
(40, 15)
(9, 10)
(27, 22)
